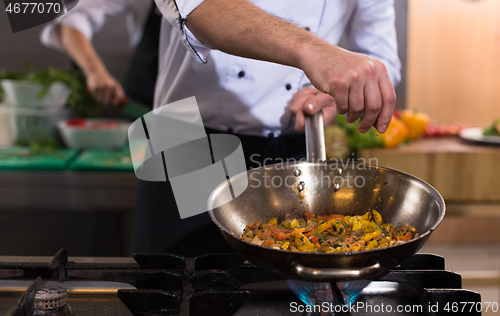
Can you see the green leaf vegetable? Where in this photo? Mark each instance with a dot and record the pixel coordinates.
(79, 99)
(493, 130)
(358, 140)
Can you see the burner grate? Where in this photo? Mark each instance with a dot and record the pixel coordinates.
(225, 284)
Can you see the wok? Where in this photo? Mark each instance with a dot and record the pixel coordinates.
(328, 187)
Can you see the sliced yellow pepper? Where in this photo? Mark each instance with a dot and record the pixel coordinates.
(367, 216)
(357, 225)
(377, 217)
(321, 228)
(294, 223)
(299, 237)
(372, 244)
(285, 246)
(372, 235)
(273, 221)
(367, 226)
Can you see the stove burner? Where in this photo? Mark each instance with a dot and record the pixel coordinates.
(51, 301)
(225, 285)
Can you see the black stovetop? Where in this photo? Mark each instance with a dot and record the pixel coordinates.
(216, 284)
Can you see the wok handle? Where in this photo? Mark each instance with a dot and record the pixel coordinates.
(336, 274)
(315, 137)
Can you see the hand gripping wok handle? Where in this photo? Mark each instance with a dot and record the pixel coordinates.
(336, 274)
(315, 137)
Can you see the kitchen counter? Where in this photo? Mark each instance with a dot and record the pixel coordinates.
(458, 170)
(467, 176)
(91, 213)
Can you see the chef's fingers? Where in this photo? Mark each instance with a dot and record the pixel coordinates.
(308, 90)
(118, 95)
(388, 103)
(299, 121)
(299, 102)
(356, 101)
(98, 94)
(108, 95)
(341, 95)
(318, 102)
(372, 107)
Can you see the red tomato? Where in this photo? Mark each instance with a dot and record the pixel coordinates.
(77, 122)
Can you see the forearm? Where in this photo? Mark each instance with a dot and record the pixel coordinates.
(100, 84)
(246, 30)
(79, 48)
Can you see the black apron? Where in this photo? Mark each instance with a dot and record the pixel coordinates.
(140, 81)
(157, 224)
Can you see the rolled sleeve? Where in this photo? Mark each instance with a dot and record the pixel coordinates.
(176, 13)
(372, 32)
(78, 21)
(87, 17)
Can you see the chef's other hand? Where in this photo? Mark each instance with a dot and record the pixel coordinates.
(104, 88)
(358, 83)
(308, 101)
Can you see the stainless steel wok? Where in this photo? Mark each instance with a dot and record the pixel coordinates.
(327, 187)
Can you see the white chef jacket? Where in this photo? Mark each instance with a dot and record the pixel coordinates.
(249, 96)
(89, 16)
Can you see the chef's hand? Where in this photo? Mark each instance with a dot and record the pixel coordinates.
(308, 101)
(358, 83)
(104, 88)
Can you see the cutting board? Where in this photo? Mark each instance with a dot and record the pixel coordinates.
(22, 158)
(103, 160)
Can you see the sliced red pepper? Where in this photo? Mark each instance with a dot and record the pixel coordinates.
(314, 239)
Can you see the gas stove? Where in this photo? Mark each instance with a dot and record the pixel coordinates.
(216, 284)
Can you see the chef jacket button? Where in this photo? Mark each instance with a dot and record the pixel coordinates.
(288, 86)
(307, 28)
(241, 74)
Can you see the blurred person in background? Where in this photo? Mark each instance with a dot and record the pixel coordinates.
(73, 34)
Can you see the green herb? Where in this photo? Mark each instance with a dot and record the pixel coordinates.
(78, 99)
(493, 130)
(357, 140)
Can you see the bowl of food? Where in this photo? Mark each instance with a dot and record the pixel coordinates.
(94, 133)
(26, 94)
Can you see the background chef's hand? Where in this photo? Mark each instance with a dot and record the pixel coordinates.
(104, 88)
(358, 83)
(310, 100)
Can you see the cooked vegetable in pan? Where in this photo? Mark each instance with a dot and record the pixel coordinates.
(329, 234)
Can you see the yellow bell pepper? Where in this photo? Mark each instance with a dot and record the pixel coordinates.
(416, 123)
(294, 223)
(372, 244)
(321, 228)
(396, 133)
(302, 242)
(372, 235)
(273, 221)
